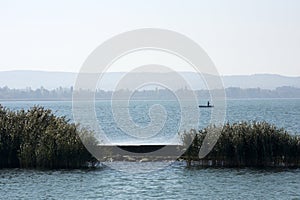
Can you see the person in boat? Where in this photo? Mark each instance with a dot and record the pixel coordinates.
(208, 104)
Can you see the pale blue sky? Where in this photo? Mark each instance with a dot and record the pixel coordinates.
(241, 37)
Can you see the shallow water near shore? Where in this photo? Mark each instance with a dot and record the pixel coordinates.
(174, 182)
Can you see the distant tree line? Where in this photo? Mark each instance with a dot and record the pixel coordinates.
(66, 93)
(256, 144)
(36, 138)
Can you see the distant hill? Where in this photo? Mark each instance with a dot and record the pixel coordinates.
(264, 81)
(52, 80)
(36, 79)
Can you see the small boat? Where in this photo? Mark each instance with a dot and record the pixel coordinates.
(205, 106)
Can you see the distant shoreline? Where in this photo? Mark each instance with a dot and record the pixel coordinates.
(66, 94)
(70, 100)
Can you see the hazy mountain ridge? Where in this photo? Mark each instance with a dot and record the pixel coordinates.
(52, 80)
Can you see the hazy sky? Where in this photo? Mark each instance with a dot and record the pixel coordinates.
(241, 37)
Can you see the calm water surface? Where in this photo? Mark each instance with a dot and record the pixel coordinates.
(284, 113)
(174, 182)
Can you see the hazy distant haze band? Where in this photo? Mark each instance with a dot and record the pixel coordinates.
(52, 80)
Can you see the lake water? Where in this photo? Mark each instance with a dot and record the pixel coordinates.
(284, 113)
(174, 182)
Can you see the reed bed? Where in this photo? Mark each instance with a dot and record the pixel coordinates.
(244, 144)
(36, 138)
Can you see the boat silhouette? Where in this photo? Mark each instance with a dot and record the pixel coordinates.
(206, 106)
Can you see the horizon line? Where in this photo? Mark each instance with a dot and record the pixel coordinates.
(74, 72)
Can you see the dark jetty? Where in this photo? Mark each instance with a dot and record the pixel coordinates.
(141, 148)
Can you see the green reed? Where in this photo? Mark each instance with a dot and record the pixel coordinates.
(36, 138)
(245, 144)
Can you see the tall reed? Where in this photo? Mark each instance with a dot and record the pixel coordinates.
(36, 138)
(244, 144)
